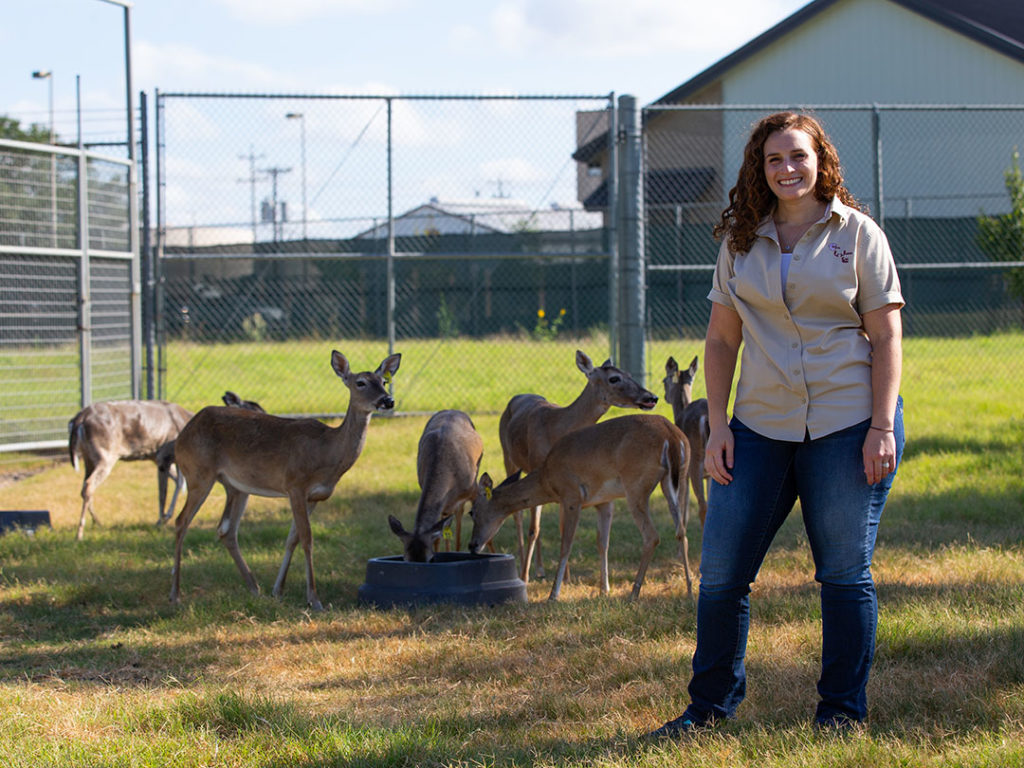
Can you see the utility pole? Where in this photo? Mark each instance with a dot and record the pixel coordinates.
(251, 181)
(276, 218)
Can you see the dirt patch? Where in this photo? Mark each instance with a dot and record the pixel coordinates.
(11, 475)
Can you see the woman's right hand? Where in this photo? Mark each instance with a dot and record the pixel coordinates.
(718, 455)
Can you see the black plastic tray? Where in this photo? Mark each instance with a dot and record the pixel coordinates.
(27, 520)
(451, 577)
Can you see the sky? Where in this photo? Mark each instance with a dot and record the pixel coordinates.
(644, 48)
(640, 47)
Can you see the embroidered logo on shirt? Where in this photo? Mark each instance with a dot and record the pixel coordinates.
(840, 253)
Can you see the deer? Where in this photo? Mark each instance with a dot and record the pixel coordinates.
(447, 462)
(103, 433)
(624, 457)
(530, 425)
(253, 453)
(691, 416)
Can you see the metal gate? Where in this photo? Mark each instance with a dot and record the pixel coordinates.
(69, 296)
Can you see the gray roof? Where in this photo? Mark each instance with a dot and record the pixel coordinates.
(998, 24)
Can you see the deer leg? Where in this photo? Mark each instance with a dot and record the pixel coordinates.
(642, 515)
(289, 548)
(570, 516)
(697, 483)
(604, 531)
(162, 474)
(179, 482)
(161, 493)
(94, 475)
(227, 530)
(532, 542)
(521, 543)
(683, 546)
(301, 510)
(535, 533)
(703, 488)
(193, 501)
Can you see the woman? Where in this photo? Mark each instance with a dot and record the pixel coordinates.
(806, 283)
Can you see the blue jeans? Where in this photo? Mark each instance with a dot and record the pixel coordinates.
(841, 514)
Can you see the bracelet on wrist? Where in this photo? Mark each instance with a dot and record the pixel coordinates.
(881, 429)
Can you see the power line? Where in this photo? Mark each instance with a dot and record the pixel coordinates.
(253, 178)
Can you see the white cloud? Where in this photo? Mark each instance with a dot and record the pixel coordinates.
(186, 68)
(612, 28)
(295, 11)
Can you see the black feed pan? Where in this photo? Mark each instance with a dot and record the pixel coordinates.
(451, 577)
(27, 520)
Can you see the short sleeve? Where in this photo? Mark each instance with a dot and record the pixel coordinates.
(724, 272)
(878, 282)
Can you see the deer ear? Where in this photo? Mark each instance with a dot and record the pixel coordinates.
(693, 366)
(583, 362)
(671, 366)
(512, 478)
(389, 367)
(396, 527)
(339, 364)
(437, 529)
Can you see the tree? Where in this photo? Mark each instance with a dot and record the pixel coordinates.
(11, 129)
(1002, 237)
(26, 198)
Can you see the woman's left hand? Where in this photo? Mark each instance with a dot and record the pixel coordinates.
(879, 455)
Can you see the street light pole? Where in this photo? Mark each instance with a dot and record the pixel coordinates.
(301, 117)
(47, 75)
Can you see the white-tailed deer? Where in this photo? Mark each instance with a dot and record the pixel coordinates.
(530, 425)
(623, 457)
(447, 463)
(125, 430)
(255, 453)
(691, 416)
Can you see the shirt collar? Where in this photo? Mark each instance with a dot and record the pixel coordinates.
(835, 207)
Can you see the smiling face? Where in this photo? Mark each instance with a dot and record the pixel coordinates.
(790, 165)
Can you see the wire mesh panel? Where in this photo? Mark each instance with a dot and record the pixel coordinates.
(110, 291)
(38, 347)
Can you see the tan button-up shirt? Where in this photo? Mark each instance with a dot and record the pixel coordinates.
(806, 361)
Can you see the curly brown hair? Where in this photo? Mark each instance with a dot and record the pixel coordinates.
(751, 200)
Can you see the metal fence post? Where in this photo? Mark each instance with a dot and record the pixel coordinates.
(612, 227)
(876, 146)
(631, 342)
(84, 288)
(146, 256)
(391, 244)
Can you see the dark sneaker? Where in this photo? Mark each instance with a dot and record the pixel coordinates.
(838, 724)
(684, 725)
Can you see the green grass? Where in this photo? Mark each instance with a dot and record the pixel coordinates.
(97, 669)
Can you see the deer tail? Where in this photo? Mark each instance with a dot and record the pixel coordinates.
(672, 462)
(74, 438)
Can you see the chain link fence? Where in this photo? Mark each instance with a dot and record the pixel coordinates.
(66, 289)
(290, 222)
(389, 218)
